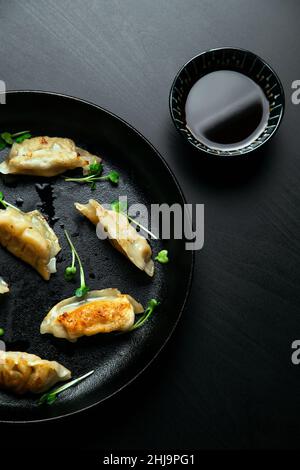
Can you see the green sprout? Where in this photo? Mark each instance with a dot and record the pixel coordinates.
(121, 207)
(2, 201)
(162, 257)
(7, 138)
(22, 137)
(113, 176)
(95, 169)
(71, 270)
(50, 397)
(94, 175)
(6, 204)
(152, 304)
(2, 332)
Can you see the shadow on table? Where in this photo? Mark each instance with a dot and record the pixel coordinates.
(219, 173)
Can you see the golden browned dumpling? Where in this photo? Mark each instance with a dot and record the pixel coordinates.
(21, 372)
(46, 156)
(29, 237)
(101, 311)
(3, 286)
(122, 235)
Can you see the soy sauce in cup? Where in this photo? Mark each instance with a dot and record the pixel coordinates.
(226, 110)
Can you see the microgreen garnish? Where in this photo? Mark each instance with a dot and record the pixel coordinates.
(113, 176)
(4, 203)
(152, 304)
(121, 207)
(162, 257)
(7, 138)
(50, 397)
(71, 270)
(95, 169)
(18, 134)
(94, 175)
(81, 291)
(1, 331)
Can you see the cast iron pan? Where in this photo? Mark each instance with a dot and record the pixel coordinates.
(145, 178)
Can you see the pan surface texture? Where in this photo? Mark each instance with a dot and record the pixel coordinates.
(144, 178)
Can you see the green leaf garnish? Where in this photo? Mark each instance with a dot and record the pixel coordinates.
(162, 257)
(83, 289)
(94, 175)
(95, 169)
(7, 137)
(113, 177)
(152, 304)
(5, 203)
(17, 134)
(121, 207)
(22, 137)
(70, 272)
(2, 202)
(50, 397)
(1, 331)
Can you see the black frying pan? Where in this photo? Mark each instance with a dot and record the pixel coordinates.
(145, 178)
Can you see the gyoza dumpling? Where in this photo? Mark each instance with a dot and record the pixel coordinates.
(46, 156)
(101, 311)
(29, 237)
(121, 233)
(3, 286)
(21, 372)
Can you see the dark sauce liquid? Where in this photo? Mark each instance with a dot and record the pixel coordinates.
(45, 192)
(226, 110)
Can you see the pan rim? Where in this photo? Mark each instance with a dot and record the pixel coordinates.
(191, 271)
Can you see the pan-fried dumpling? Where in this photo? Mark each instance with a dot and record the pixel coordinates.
(29, 237)
(121, 233)
(21, 372)
(46, 156)
(3, 286)
(101, 311)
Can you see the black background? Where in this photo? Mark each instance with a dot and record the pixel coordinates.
(225, 379)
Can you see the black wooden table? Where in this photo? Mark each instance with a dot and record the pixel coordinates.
(225, 379)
